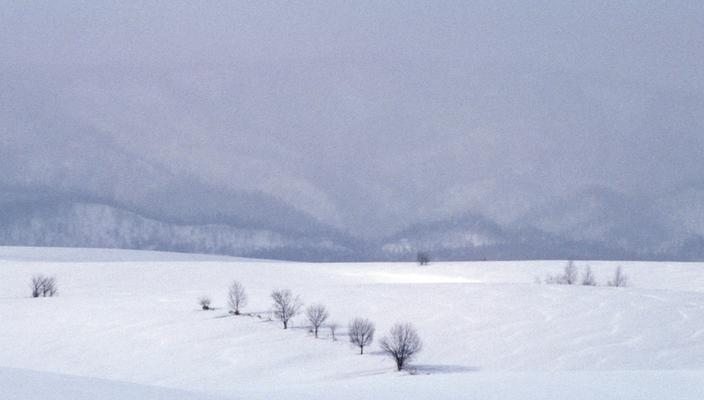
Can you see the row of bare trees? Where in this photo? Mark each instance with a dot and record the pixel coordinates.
(570, 276)
(401, 344)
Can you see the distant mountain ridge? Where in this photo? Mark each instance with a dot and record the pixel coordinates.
(491, 160)
(71, 224)
(592, 224)
(596, 232)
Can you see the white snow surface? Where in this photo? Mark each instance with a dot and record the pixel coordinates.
(16, 384)
(126, 325)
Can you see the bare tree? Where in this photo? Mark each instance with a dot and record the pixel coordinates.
(361, 333)
(333, 327)
(588, 278)
(567, 277)
(402, 344)
(236, 297)
(620, 278)
(571, 273)
(286, 306)
(204, 302)
(317, 314)
(551, 279)
(423, 258)
(44, 286)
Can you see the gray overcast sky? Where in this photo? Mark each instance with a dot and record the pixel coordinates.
(368, 115)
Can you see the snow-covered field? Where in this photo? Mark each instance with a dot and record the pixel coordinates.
(126, 325)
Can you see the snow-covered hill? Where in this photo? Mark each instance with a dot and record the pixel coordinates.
(489, 330)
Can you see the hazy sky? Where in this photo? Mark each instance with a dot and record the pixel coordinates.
(367, 115)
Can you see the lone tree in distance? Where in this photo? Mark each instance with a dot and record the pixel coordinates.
(423, 258)
(361, 333)
(402, 344)
(286, 306)
(317, 314)
(236, 297)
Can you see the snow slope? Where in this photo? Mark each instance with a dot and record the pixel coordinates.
(18, 384)
(489, 330)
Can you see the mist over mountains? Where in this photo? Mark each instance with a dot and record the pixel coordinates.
(340, 132)
(595, 229)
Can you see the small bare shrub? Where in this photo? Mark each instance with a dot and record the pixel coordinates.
(50, 287)
(571, 273)
(37, 284)
(620, 278)
(333, 327)
(402, 344)
(361, 333)
(44, 286)
(204, 302)
(317, 314)
(588, 278)
(568, 277)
